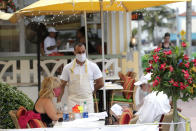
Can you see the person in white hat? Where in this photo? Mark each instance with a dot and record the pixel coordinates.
(50, 44)
(142, 90)
(154, 104)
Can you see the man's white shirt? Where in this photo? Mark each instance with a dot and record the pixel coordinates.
(154, 106)
(93, 71)
(49, 41)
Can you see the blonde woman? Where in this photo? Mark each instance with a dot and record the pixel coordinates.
(44, 105)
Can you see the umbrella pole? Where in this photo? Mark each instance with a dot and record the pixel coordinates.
(86, 33)
(103, 53)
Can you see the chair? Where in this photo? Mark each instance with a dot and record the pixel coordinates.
(12, 113)
(134, 120)
(96, 102)
(126, 95)
(34, 123)
(167, 118)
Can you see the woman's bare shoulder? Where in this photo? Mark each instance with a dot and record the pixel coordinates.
(45, 100)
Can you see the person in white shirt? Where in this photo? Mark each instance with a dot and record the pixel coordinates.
(80, 76)
(154, 104)
(50, 44)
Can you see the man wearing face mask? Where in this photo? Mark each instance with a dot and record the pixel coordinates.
(152, 105)
(80, 76)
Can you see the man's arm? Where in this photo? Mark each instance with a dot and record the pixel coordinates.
(63, 84)
(58, 43)
(98, 84)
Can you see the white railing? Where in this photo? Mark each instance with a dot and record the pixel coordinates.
(23, 70)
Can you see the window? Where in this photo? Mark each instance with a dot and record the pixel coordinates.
(9, 38)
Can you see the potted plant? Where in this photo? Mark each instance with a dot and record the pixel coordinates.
(174, 73)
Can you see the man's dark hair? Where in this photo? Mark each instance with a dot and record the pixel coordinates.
(79, 44)
(82, 31)
(167, 34)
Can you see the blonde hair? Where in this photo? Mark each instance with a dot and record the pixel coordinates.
(48, 84)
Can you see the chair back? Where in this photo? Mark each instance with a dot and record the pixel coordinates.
(35, 123)
(12, 113)
(134, 120)
(167, 118)
(126, 116)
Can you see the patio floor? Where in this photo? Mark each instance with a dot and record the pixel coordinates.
(188, 110)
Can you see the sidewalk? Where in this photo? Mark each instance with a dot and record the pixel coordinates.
(188, 110)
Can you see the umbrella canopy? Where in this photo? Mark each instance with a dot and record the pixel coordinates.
(94, 5)
(48, 7)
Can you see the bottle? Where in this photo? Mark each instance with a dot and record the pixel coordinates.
(85, 110)
(67, 46)
(65, 113)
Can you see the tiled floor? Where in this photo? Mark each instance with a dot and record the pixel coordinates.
(189, 110)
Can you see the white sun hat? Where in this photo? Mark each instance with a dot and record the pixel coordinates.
(51, 29)
(143, 80)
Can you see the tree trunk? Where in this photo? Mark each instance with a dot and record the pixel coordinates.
(175, 114)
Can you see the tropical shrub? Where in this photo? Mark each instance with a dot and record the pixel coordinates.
(11, 99)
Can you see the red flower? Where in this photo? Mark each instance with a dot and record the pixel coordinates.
(155, 57)
(149, 69)
(190, 80)
(163, 66)
(194, 61)
(185, 72)
(157, 49)
(186, 57)
(186, 65)
(186, 76)
(155, 83)
(183, 44)
(150, 62)
(182, 86)
(171, 68)
(171, 81)
(167, 52)
(175, 84)
(158, 78)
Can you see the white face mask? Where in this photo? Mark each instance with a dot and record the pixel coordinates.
(81, 57)
(144, 93)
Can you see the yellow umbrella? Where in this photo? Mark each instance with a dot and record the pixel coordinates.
(48, 7)
(94, 5)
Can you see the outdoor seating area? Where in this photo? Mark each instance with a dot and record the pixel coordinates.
(97, 65)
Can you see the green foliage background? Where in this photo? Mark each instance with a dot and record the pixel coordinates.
(11, 99)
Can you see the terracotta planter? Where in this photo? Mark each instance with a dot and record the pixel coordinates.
(3, 5)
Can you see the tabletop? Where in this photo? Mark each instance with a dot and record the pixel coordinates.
(66, 50)
(111, 86)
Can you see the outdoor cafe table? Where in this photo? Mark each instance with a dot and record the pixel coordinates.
(109, 87)
(93, 127)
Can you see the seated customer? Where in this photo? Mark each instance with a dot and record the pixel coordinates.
(44, 105)
(154, 104)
